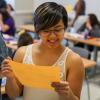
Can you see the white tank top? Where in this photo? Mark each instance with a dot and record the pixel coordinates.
(43, 94)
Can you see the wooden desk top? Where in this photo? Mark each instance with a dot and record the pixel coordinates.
(92, 41)
(88, 63)
(12, 46)
(27, 27)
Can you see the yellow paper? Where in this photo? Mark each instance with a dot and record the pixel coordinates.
(36, 76)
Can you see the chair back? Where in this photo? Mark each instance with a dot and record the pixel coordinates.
(81, 51)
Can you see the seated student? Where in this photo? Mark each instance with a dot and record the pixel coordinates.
(24, 40)
(90, 28)
(50, 22)
(7, 23)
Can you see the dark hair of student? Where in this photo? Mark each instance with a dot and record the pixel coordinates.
(5, 14)
(49, 14)
(94, 20)
(25, 39)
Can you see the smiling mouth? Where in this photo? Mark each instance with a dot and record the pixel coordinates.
(52, 41)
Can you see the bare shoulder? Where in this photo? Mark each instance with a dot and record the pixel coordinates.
(19, 55)
(75, 75)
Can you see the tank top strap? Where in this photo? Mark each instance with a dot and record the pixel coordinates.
(63, 56)
(61, 62)
(28, 55)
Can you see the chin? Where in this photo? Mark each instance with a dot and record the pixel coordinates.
(53, 46)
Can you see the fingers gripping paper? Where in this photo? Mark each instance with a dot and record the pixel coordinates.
(35, 76)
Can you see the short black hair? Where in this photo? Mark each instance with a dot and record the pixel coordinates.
(49, 14)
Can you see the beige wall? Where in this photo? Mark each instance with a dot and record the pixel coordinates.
(25, 8)
(23, 12)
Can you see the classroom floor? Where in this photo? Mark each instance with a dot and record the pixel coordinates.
(94, 84)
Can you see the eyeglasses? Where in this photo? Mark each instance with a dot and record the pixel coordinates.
(55, 31)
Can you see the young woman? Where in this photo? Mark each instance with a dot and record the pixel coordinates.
(79, 9)
(92, 25)
(7, 23)
(50, 22)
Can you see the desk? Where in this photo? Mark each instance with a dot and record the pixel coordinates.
(10, 41)
(87, 64)
(27, 27)
(12, 46)
(93, 42)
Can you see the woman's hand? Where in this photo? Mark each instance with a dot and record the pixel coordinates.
(62, 88)
(88, 25)
(6, 69)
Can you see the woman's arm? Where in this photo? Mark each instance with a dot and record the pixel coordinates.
(13, 86)
(71, 88)
(4, 27)
(75, 76)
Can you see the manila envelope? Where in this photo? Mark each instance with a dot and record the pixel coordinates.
(35, 76)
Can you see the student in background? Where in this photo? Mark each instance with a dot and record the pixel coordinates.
(91, 26)
(24, 40)
(7, 23)
(79, 9)
(50, 22)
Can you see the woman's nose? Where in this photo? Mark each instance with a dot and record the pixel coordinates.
(52, 35)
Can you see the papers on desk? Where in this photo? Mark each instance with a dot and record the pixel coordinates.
(7, 36)
(9, 39)
(36, 76)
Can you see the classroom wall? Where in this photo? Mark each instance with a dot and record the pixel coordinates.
(25, 8)
(92, 6)
(23, 11)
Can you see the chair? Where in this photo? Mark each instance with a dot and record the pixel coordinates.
(81, 51)
(85, 54)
